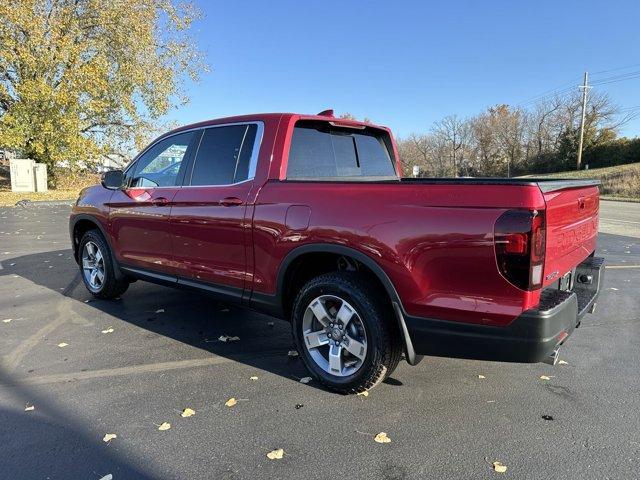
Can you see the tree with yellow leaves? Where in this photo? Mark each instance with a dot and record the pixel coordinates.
(85, 78)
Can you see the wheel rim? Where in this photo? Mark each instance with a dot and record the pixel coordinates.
(93, 266)
(334, 335)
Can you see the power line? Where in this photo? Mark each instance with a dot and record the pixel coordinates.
(616, 69)
(620, 78)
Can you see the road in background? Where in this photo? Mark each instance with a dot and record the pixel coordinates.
(164, 354)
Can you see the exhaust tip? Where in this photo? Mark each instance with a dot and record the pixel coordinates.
(553, 358)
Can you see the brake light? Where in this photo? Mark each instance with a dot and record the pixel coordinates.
(519, 240)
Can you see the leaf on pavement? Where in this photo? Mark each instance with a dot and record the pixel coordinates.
(305, 380)
(292, 353)
(382, 437)
(29, 408)
(164, 426)
(63, 344)
(481, 376)
(108, 437)
(253, 378)
(227, 338)
(231, 402)
(275, 454)
(108, 330)
(499, 467)
(363, 394)
(545, 377)
(187, 412)
(562, 362)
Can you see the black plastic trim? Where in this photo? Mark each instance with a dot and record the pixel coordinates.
(107, 238)
(530, 338)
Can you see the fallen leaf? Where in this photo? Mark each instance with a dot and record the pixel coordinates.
(544, 377)
(382, 438)
(187, 412)
(160, 310)
(29, 408)
(227, 338)
(231, 402)
(108, 437)
(305, 380)
(481, 376)
(363, 394)
(292, 353)
(63, 344)
(253, 378)
(499, 467)
(562, 362)
(275, 454)
(108, 330)
(164, 426)
(7, 320)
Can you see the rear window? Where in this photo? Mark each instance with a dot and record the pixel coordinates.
(322, 151)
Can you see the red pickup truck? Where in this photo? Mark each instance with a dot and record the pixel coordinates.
(307, 218)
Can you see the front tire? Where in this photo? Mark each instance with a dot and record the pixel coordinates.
(96, 267)
(344, 332)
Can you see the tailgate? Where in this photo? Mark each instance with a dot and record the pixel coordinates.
(572, 225)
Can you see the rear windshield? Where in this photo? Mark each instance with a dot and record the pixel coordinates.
(322, 151)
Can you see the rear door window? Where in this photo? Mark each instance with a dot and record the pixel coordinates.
(224, 155)
(319, 150)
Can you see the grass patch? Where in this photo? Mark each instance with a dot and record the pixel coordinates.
(621, 182)
(68, 188)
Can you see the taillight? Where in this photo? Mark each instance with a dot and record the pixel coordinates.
(519, 239)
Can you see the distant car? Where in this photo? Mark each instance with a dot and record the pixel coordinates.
(306, 217)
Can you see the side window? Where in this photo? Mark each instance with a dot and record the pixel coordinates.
(224, 155)
(160, 166)
(322, 151)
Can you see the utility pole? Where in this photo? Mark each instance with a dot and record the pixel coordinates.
(585, 87)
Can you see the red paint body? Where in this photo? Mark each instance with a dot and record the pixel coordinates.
(434, 240)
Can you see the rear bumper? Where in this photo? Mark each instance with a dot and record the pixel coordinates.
(530, 338)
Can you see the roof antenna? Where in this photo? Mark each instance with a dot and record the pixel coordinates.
(326, 113)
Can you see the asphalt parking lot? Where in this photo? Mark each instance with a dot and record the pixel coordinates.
(164, 355)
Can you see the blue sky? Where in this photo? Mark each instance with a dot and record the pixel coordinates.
(407, 64)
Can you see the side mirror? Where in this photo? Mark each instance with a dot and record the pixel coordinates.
(113, 179)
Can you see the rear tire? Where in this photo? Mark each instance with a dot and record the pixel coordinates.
(96, 267)
(345, 333)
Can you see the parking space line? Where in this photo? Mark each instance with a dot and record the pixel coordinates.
(11, 360)
(134, 369)
(621, 266)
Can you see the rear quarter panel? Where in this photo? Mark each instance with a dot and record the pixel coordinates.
(435, 242)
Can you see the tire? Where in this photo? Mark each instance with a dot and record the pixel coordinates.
(369, 328)
(95, 252)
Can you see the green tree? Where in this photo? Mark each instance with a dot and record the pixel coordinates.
(85, 78)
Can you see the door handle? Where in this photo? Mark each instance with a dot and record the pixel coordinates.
(231, 202)
(160, 201)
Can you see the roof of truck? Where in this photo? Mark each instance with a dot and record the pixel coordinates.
(326, 115)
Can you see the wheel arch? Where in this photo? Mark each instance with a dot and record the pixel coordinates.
(80, 225)
(287, 270)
